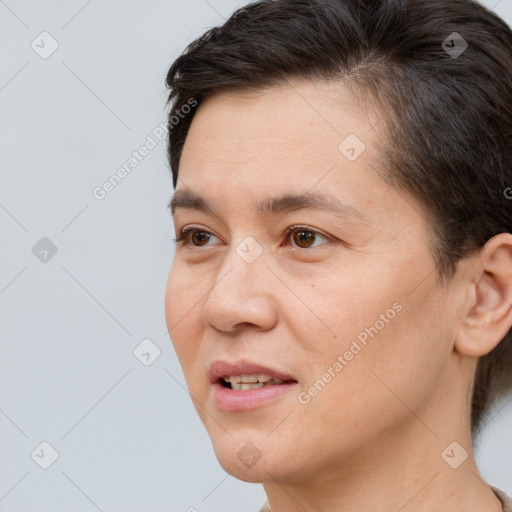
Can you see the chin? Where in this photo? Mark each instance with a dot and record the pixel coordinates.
(246, 455)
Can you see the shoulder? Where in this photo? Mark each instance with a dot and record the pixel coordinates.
(505, 500)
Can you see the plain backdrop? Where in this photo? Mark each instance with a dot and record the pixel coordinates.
(82, 278)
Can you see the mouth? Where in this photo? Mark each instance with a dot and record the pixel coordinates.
(245, 385)
(254, 381)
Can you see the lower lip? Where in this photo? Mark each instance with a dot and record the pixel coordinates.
(228, 399)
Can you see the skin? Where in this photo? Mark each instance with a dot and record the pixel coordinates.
(372, 439)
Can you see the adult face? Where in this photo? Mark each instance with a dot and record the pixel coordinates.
(295, 302)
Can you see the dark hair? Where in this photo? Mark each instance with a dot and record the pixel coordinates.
(447, 116)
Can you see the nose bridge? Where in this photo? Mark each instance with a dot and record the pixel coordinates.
(239, 295)
(242, 268)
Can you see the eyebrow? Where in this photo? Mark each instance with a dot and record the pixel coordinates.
(286, 203)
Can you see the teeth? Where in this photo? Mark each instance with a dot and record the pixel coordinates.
(245, 381)
(248, 379)
(242, 387)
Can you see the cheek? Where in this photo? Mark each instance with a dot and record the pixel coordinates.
(175, 303)
(345, 308)
(391, 348)
(182, 313)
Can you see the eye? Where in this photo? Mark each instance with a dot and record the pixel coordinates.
(198, 237)
(304, 237)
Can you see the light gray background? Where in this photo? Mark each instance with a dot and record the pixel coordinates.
(127, 435)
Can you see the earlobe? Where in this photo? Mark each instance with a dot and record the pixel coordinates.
(489, 316)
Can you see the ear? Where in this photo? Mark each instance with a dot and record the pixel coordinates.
(488, 317)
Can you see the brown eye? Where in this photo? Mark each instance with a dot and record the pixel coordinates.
(194, 237)
(305, 238)
(199, 238)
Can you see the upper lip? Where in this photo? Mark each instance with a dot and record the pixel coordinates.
(220, 368)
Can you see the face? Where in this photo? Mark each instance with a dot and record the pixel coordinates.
(302, 265)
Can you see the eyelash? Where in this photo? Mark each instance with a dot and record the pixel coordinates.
(184, 236)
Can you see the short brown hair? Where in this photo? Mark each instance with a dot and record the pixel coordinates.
(449, 117)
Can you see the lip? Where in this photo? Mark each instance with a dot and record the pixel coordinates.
(238, 400)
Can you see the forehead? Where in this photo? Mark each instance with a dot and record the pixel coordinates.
(292, 133)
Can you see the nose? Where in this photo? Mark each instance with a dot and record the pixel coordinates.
(241, 296)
